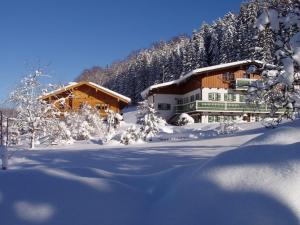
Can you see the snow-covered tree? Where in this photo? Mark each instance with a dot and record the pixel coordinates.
(34, 116)
(149, 120)
(279, 87)
(112, 122)
(4, 156)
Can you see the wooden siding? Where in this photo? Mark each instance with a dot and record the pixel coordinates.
(213, 79)
(85, 94)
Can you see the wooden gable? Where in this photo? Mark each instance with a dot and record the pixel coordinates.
(74, 96)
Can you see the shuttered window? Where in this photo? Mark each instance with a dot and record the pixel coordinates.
(214, 96)
(229, 97)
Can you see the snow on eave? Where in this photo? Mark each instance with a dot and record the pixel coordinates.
(199, 71)
(126, 99)
(75, 84)
(146, 91)
(59, 90)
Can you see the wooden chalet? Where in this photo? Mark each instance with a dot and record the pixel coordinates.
(209, 94)
(74, 95)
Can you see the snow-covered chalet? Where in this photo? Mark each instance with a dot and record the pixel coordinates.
(71, 97)
(210, 94)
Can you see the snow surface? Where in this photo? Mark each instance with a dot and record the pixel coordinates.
(243, 178)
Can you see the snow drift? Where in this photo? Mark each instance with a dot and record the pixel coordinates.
(279, 136)
(252, 185)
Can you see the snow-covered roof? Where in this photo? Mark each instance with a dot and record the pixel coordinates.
(199, 71)
(99, 87)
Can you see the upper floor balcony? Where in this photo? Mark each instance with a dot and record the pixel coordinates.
(242, 84)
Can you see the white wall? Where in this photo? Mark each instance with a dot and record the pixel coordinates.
(164, 98)
(222, 91)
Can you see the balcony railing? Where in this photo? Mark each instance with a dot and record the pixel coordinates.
(243, 83)
(210, 106)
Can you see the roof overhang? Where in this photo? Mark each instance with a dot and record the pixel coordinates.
(199, 71)
(73, 85)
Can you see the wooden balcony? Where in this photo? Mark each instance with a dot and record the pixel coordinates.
(242, 84)
(219, 106)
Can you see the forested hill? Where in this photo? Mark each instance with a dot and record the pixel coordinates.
(228, 39)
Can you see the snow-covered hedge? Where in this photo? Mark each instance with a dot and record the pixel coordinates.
(227, 127)
(184, 119)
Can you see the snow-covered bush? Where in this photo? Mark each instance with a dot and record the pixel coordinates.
(131, 135)
(149, 120)
(84, 123)
(227, 127)
(112, 123)
(271, 122)
(184, 119)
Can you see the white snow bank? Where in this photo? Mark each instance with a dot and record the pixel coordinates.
(278, 136)
(252, 185)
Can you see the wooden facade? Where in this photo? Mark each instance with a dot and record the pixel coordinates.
(72, 97)
(209, 79)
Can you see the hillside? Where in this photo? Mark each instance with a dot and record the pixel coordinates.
(231, 38)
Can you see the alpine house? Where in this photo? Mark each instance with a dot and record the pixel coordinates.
(210, 94)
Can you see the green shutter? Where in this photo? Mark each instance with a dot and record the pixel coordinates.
(233, 97)
(225, 97)
(210, 119)
(218, 97)
(210, 96)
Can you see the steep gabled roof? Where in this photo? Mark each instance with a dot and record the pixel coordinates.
(201, 71)
(91, 84)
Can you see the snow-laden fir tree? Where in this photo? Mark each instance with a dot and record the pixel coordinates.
(279, 87)
(149, 120)
(34, 117)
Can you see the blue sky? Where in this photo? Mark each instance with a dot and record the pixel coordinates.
(71, 35)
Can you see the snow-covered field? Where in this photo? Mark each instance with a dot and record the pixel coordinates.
(191, 176)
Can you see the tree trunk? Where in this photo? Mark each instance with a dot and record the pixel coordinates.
(4, 157)
(32, 141)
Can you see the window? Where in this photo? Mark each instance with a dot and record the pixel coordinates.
(179, 101)
(228, 76)
(197, 96)
(185, 100)
(163, 106)
(102, 107)
(214, 119)
(242, 98)
(192, 98)
(229, 97)
(98, 106)
(214, 96)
